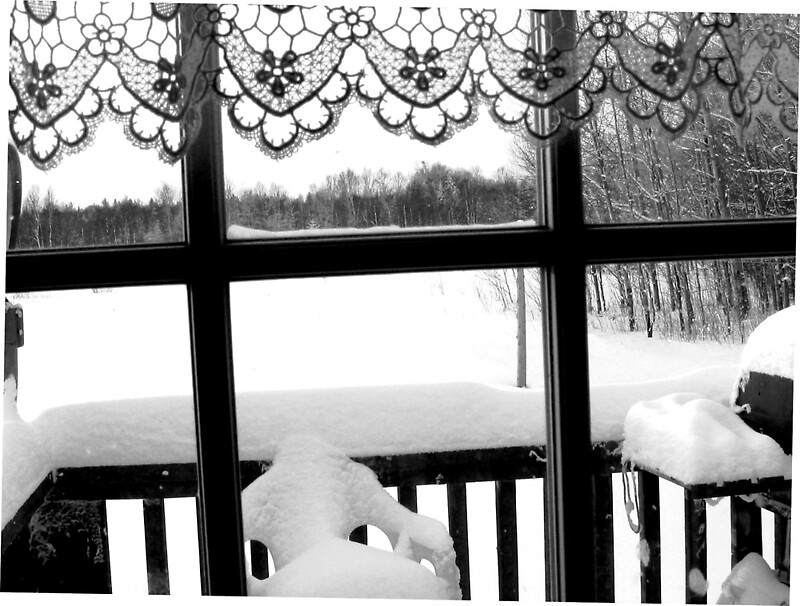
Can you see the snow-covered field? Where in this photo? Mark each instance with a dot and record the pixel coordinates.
(299, 338)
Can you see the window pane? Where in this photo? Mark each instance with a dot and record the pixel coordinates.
(361, 177)
(380, 370)
(631, 174)
(112, 194)
(104, 398)
(84, 102)
(676, 351)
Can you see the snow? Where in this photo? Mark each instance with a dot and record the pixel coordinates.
(696, 441)
(360, 420)
(770, 349)
(10, 399)
(305, 507)
(27, 458)
(240, 232)
(342, 569)
(697, 582)
(752, 581)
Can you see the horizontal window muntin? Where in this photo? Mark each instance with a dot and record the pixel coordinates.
(42, 270)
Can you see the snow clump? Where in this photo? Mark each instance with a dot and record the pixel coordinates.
(752, 581)
(770, 348)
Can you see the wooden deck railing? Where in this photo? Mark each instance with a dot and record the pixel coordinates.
(90, 488)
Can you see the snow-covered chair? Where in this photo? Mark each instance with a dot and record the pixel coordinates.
(307, 504)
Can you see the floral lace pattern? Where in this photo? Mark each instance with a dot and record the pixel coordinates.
(286, 73)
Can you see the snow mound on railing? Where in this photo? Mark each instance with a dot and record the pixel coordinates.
(304, 509)
(699, 441)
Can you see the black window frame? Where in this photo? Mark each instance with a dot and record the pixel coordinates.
(562, 246)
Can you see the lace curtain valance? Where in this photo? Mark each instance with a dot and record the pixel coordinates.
(286, 73)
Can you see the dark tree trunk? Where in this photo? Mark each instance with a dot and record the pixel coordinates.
(596, 284)
(646, 301)
(687, 297)
(656, 289)
(627, 292)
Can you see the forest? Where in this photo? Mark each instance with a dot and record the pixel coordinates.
(630, 175)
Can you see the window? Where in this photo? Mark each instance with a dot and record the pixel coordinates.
(101, 201)
(566, 253)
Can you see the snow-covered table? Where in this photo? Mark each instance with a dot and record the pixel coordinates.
(715, 450)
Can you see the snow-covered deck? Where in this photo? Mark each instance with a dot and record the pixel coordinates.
(361, 421)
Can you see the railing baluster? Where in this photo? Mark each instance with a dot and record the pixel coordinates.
(457, 516)
(259, 562)
(782, 533)
(407, 496)
(745, 529)
(604, 537)
(359, 535)
(102, 560)
(507, 553)
(155, 542)
(696, 553)
(650, 537)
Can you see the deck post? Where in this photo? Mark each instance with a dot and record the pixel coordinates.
(457, 519)
(507, 550)
(604, 536)
(155, 542)
(696, 549)
(650, 537)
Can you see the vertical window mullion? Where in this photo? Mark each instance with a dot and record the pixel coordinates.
(219, 490)
(570, 557)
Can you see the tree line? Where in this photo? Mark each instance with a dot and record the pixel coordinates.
(687, 300)
(432, 195)
(45, 222)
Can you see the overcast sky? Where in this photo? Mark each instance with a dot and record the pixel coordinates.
(114, 168)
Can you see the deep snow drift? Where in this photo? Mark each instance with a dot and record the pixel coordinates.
(304, 509)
